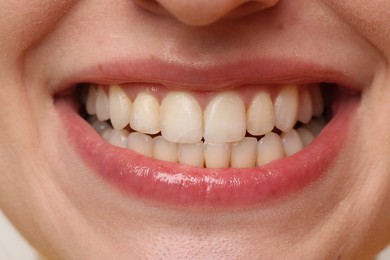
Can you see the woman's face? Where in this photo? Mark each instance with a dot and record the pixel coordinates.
(197, 70)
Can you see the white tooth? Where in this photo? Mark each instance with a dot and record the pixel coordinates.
(270, 148)
(102, 109)
(107, 134)
(119, 138)
(306, 136)
(164, 150)
(91, 100)
(140, 143)
(286, 108)
(244, 153)
(260, 114)
(317, 100)
(191, 154)
(305, 111)
(217, 155)
(315, 127)
(100, 126)
(225, 119)
(291, 142)
(181, 118)
(119, 107)
(144, 116)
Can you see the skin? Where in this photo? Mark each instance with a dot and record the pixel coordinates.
(65, 212)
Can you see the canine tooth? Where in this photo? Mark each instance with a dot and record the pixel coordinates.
(225, 119)
(270, 148)
(102, 109)
(315, 127)
(286, 108)
(164, 150)
(291, 142)
(181, 118)
(144, 115)
(120, 106)
(91, 100)
(260, 114)
(244, 153)
(306, 136)
(305, 111)
(217, 155)
(191, 154)
(100, 126)
(140, 143)
(317, 100)
(119, 138)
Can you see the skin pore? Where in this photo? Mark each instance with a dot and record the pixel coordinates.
(66, 212)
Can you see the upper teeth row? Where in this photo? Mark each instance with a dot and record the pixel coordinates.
(226, 118)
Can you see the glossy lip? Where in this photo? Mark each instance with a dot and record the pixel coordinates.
(175, 184)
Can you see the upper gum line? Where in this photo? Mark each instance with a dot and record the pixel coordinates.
(246, 92)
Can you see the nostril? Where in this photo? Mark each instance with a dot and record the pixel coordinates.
(150, 5)
(250, 7)
(205, 12)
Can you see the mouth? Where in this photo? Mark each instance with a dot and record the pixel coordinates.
(191, 145)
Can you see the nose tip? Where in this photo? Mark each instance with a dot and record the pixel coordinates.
(205, 12)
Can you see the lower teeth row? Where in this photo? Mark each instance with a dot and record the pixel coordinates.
(247, 153)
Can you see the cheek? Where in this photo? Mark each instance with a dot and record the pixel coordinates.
(370, 18)
(26, 22)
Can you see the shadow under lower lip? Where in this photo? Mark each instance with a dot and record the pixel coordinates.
(172, 183)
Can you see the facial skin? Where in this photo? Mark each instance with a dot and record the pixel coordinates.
(66, 212)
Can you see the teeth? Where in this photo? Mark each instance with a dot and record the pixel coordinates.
(225, 119)
(306, 136)
(217, 155)
(191, 154)
(181, 118)
(140, 143)
(318, 102)
(315, 126)
(119, 138)
(102, 109)
(107, 134)
(305, 111)
(269, 149)
(91, 100)
(286, 108)
(291, 142)
(260, 115)
(100, 126)
(164, 150)
(244, 153)
(119, 105)
(223, 125)
(144, 116)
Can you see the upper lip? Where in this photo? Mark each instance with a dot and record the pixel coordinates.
(209, 78)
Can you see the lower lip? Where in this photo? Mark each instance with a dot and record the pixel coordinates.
(175, 184)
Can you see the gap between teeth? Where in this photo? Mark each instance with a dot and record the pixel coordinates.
(215, 136)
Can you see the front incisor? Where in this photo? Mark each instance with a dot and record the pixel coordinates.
(181, 118)
(225, 118)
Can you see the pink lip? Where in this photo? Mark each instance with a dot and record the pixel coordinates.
(211, 77)
(176, 184)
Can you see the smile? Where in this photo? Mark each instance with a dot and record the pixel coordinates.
(240, 128)
(238, 145)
